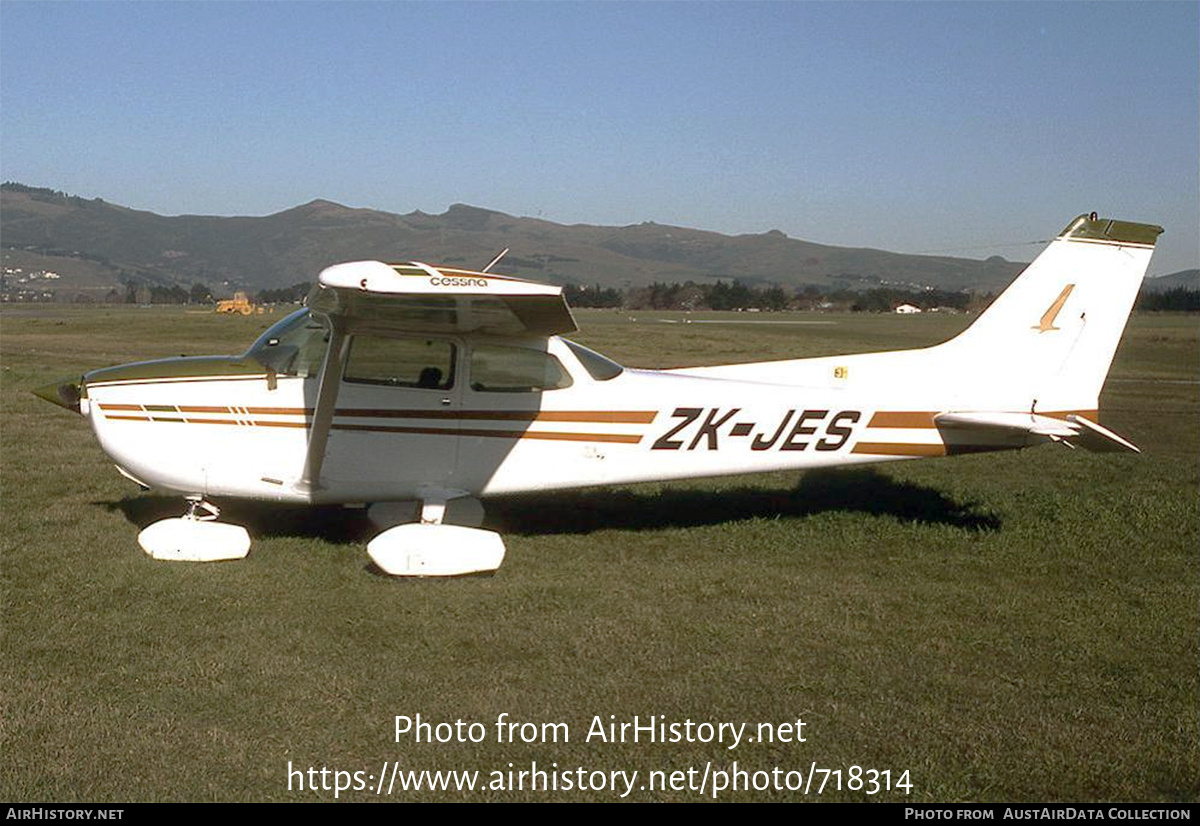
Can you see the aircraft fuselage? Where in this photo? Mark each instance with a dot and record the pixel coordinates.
(228, 427)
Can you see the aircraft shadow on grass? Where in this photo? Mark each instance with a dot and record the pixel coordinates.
(863, 490)
(851, 491)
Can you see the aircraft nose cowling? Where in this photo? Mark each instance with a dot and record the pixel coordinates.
(64, 394)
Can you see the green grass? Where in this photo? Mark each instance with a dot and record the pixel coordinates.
(1014, 627)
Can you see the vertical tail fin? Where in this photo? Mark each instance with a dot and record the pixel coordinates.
(1047, 341)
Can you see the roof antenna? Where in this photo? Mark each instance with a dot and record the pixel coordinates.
(495, 260)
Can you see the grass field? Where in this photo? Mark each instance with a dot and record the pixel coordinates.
(1008, 627)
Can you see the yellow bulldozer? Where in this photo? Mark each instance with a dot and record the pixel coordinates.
(240, 303)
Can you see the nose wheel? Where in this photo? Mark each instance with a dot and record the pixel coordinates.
(196, 536)
(200, 510)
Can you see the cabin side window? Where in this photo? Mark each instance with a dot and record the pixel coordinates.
(400, 362)
(498, 369)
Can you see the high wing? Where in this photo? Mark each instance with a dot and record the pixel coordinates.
(415, 297)
(419, 298)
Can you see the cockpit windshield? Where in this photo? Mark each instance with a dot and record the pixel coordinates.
(293, 347)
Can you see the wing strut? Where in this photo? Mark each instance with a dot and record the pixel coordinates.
(327, 393)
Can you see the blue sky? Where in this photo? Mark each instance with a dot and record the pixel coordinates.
(975, 128)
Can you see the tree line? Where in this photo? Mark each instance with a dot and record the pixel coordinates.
(734, 295)
(738, 296)
(1179, 299)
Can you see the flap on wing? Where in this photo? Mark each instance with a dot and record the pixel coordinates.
(1073, 431)
(420, 298)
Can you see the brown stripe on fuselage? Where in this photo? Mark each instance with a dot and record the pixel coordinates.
(597, 417)
(590, 416)
(898, 449)
(176, 380)
(244, 423)
(902, 418)
(494, 434)
(204, 408)
(255, 411)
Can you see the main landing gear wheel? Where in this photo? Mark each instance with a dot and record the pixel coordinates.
(430, 548)
(196, 536)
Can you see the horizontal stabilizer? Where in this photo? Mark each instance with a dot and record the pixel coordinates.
(1100, 439)
(1072, 431)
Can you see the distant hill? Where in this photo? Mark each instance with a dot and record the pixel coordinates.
(95, 245)
(1186, 279)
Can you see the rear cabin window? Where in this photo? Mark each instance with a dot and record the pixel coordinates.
(400, 362)
(497, 369)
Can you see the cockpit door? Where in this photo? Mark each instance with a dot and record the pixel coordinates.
(395, 426)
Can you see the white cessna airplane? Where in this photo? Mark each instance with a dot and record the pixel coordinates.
(436, 387)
